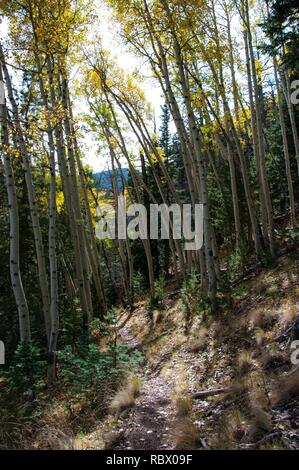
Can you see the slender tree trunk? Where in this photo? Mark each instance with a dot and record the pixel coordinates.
(231, 161)
(94, 257)
(208, 233)
(285, 146)
(81, 252)
(15, 273)
(42, 272)
(266, 198)
(292, 117)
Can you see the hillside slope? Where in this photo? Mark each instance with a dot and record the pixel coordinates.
(242, 348)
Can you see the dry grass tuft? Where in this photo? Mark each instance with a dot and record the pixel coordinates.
(125, 397)
(122, 400)
(156, 317)
(183, 405)
(272, 360)
(232, 429)
(286, 389)
(221, 442)
(258, 393)
(198, 342)
(260, 422)
(186, 435)
(276, 445)
(244, 362)
(260, 337)
(288, 316)
(133, 385)
(239, 387)
(52, 438)
(234, 426)
(113, 438)
(262, 318)
(216, 329)
(77, 443)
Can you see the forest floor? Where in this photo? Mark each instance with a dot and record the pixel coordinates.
(148, 424)
(242, 348)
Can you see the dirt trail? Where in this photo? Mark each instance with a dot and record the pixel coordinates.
(208, 357)
(148, 424)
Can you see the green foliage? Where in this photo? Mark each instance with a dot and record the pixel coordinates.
(220, 202)
(281, 27)
(294, 234)
(103, 326)
(236, 261)
(26, 374)
(160, 289)
(89, 367)
(71, 322)
(164, 141)
(192, 299)
(81, 367)
(139, 286)
(267, 260)
(157, 298)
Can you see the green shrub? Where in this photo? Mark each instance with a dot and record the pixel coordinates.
(139, 286)
(90, 367)
(157, 298)
(191, 296)
(236, 261)
(81, 366)
(26, 374)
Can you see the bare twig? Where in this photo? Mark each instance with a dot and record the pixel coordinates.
(210, 392)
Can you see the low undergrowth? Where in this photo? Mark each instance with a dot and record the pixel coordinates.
(87, 374)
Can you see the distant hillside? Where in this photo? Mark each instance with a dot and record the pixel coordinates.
(103, 179)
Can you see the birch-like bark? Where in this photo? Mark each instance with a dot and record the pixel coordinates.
(14, 265)
(292, 117)
(94, 257)
(234, 139)
(123, 148)
(81, 252)
(208, 233)
(39, 246)
(264, 184)
(231, 160)
(139, 128)
(54, 313)
(285, 146)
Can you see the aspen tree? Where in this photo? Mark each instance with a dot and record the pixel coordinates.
(34, 212)
(15, 272)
